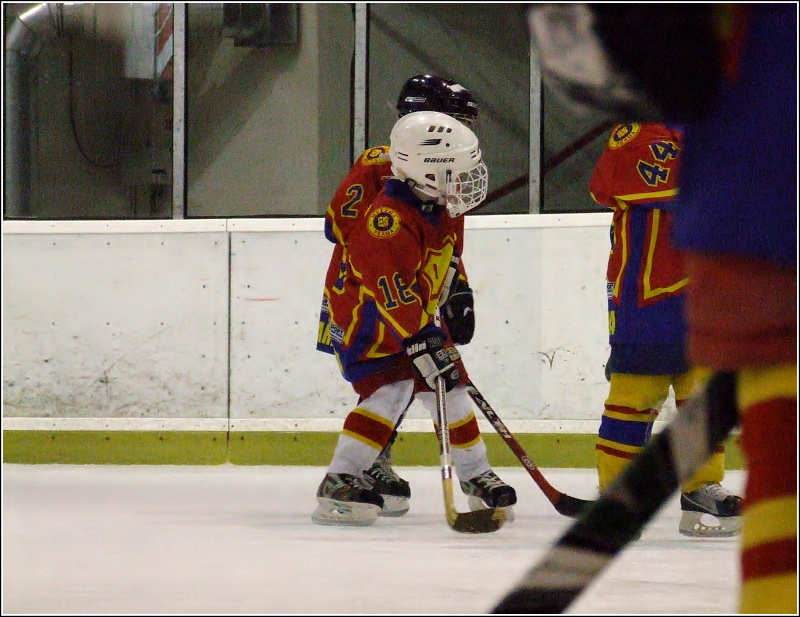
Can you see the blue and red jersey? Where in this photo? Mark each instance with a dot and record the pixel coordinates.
(637, 177)
(344, 214)
(387, 286)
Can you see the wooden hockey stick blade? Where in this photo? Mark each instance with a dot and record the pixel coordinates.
(475, 521)
(566, 505)
(617, 517)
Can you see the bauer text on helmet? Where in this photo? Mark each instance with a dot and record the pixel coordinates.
(441, 159)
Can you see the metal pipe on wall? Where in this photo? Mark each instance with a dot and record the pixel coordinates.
(23, 42)
(360, 81)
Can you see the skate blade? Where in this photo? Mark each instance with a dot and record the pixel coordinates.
(705, 525)
(394, 506)
(476, 503)
(333, 512)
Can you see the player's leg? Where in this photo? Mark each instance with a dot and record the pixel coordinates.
(768, 409)
(483, 487)
(632, 406)
(382, 477)
(742, 315)
(344, 497)
(708, 509)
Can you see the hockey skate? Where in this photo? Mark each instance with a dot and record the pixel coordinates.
(710, 512)
(488, 491)
(344, 499)
(395, 491)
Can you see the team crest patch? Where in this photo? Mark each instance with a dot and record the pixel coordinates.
(383, 222)
(622, 134)
(375, 156)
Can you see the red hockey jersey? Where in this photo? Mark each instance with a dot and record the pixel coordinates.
(387, 286)
(345, 211)
(635, 177)
(356, 192)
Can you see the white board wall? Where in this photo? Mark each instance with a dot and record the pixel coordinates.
(109, 320)
(115, 324)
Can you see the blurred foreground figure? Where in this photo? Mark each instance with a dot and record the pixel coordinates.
(727, 73)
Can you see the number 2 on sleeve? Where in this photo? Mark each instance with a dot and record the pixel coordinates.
(355, 192)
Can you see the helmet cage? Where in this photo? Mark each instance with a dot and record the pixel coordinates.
(466, 190)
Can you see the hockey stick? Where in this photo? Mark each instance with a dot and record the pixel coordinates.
(566, 505)
(475, 521)
(617, 517)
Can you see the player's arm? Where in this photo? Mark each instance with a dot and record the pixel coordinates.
(355, 193)
(345, 204)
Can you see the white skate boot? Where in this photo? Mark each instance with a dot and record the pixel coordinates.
(711, 511)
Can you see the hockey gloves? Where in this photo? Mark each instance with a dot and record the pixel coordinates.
(432, 358)
(459, 314)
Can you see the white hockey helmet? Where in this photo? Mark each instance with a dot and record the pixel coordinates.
(440, 155)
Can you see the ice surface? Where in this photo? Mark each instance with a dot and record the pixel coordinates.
(232, 539)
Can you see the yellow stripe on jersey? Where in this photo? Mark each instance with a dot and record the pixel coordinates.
(648, 196)
(337, 233)
(649, 292)
(385, 314)
(373, 353)
(623, 235)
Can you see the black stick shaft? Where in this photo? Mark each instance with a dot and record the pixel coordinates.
(610, 523)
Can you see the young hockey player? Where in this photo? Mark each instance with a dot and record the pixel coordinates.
(637, 177)
(400, 261)
(354, 194)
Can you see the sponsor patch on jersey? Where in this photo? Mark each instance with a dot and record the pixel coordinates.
(383, 222)
(622, 134)
(375, 156)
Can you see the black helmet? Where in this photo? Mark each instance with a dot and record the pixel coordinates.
(432, 93)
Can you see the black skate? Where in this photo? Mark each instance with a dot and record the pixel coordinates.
(395, 491)
(710, 512)
(488, 491)
(345, 499)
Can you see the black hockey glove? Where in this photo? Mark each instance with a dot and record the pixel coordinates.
(431, 357)
(458, 313)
